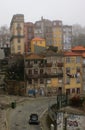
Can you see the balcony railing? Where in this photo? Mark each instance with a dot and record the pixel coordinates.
(59, 64)
(41, 65)
(48, 64)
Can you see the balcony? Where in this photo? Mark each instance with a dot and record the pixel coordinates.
(41, 65)
(48, 64)
(53, 75)
(16, 36)
(59, 64)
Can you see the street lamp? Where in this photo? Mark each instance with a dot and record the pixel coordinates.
(55, 120)
(65, 120)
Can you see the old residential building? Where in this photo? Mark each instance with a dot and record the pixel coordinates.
(74, 70)
(17, 34)
(43, 29)
(72, 73)
(81, 50)
(44, 72)
(54, 71)
(36, 43)
(67, 37)
(57, 28)
(29, 35)
(35, 73)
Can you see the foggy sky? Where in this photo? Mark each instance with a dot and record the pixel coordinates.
(69, 11)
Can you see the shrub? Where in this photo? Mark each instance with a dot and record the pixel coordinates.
(76, 101)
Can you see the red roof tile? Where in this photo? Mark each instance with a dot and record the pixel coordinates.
(71, 54)
(37, 39)
(78, 48)
(33, 56)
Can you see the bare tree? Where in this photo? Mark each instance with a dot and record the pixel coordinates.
(4, 36)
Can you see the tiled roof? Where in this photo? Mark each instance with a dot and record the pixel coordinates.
(71, 54)
(78, 48)
(37, 39)
(32, 56)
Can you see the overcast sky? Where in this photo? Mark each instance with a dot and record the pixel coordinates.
(69, 11)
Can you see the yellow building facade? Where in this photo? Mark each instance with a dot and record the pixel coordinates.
(72, 73)
(17, 34)
(37, 42)
(57, 34)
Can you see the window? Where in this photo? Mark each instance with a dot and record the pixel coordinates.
(35, 71)
(78, 90)
(78, 80)
(41, 71)
(35, 81)
(78, 69)
(18, 29)
(35, 61)
(18, 40)
(30, 81)
(73, 90)
(78, 59)
(68, 70)
(67, 59)
(30, 72)
(19, 48)
(67, 91)
(41, 81)
(67, 80)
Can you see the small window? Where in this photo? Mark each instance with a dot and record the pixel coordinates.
(30, 81)
(30, 72)
(68, 70)
(41, 71)
(78, 69)
(78, 59)
(67, 59)
(19, 48)
(78, 80)
(18, 40)
(67, 80)
(35, 71)
(78, 90)
(73, 90)
(41, 81)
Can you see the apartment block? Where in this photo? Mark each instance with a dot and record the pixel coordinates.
(72, 73)
(67, 37)
(29, 35)
(57, 28)
(17, 34)
(43, 29)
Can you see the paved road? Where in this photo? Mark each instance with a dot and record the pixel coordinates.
(19, 117)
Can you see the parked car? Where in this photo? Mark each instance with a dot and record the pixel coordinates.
(34, 119)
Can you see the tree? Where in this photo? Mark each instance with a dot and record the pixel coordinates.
(76, 101)
(16, 69)
(5, 39)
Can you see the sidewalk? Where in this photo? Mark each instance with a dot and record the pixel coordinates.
(44, 122)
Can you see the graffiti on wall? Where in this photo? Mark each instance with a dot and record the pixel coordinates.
(74, 122)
